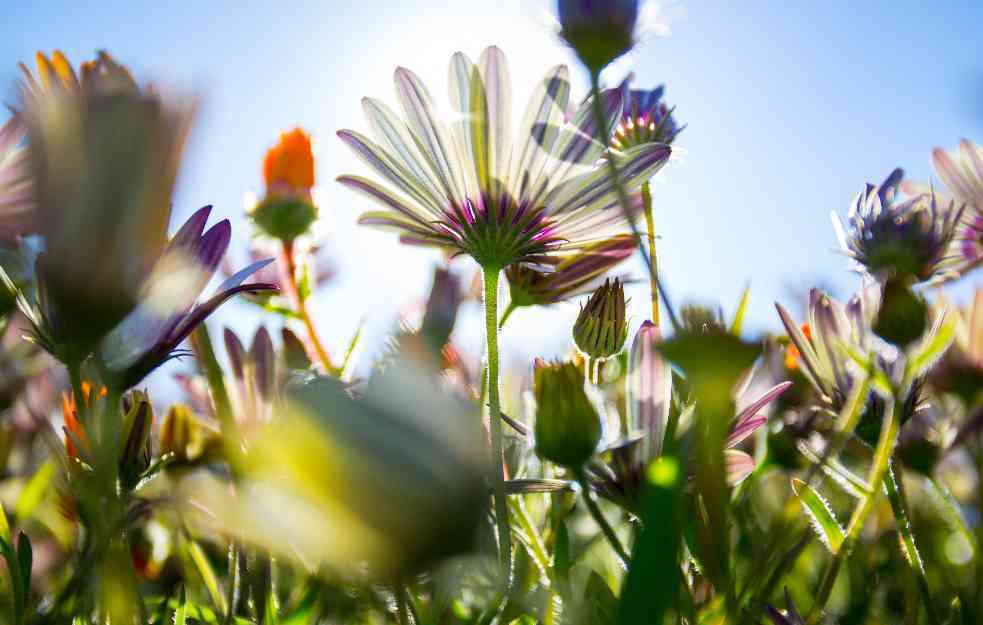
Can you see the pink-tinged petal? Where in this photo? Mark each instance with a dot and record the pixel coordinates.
(262, 355)
(744, 428)
(738, 465)
(10, 134)
(649, 388)
(950, 173)
(236, 352)
(769, 396)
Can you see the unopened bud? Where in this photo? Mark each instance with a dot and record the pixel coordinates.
(568, 427)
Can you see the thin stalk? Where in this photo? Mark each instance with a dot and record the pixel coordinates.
(878, 469)
(508, 313)
(895, 494)
(595, 512)
(602, 124)
(653, 266)
(300, 307)
(495, 423)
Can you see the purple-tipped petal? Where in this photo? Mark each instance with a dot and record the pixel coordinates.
(770, 395)
(649, 387)
(262, 356)
(237, 353)
(743, 429)
(190, 232)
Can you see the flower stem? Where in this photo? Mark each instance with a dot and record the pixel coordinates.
(495, 422)
(508, 313)
(595, 512)
(602, 124)
(895, 494)
(878, 469)
(653, 266)
(300, 307)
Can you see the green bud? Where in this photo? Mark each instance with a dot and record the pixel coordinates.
(284, 218)
(568, 427)
(137, 421)
(601, 328)
(902, 317)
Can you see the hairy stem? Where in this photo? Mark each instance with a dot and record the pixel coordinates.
(495, 422)
(895, 495)
(878, 469)
(300, 307)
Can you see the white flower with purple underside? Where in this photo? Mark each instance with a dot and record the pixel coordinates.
(466, 186)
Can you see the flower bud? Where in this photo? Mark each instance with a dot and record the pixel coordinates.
(184, 435)
(902, 317)
(599, 31)
(137, 424)
(601, 328)
(568, 427)
(287, 211)
(441, 311)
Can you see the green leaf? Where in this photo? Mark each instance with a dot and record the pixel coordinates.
(34, 491)
(4, 526)
(562, 560)
(25, 557)
(16, 581)
(600, 605)
(352, 346)
(304, 285)
(823, 520)
(208, 576)
(180, 614)
(738, 323)
(654, 577)
(927, 352)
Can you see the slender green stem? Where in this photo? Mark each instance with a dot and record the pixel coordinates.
(878, 469)
(495, 422)
(895, 494)
(602, 123)
(300, 306)
(508, 313)
(653, 266)
(595, 512)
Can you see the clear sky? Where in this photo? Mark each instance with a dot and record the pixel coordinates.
(790, 108)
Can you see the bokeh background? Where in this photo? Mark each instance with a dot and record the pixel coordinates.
(790, 107)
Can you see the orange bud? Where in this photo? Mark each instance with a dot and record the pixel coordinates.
(289, 165)
(792, 352)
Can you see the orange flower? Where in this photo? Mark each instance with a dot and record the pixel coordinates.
(74, 430)
(289, 165)
(792, 352)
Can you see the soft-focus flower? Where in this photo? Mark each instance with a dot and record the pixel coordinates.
(387, 484)
(961, 171)
(16, 201)
(649, 389)
(287, 211)
(818, 343)
(255, 378)
(910, 239)
(169, 310)
(961, 369)
(467, 187)
(599, 31)
(104, 156)
(186, 437)
(601, 327)
(568, 276)
(645, 118)
(568, 427)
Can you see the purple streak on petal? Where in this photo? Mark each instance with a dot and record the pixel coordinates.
(743, 429)
(770, 395)
(236, 352)
(190, 232)
(212, 246)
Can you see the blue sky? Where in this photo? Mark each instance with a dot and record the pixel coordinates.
(790, 108)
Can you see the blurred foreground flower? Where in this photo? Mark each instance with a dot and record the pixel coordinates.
(569, 276)
(910, 240)
(568, 427)
(393, 481)
(168, 310)
(467, 188)
(16, 200)
(649, 403)
(287, 211)
(599, 31)
(104, 155)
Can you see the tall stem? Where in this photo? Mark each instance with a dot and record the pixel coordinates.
(602, 124)
(495, 422)
(595, 512)
(300, 307)
(653, 266)
(878, 469)
(895, 494)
